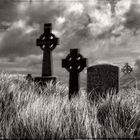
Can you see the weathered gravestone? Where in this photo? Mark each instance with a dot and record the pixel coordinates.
(128, 80)
(74, 63)
(47, 42)
(102, 79)
(29, 77)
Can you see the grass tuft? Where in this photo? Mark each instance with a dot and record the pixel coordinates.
(27, 111)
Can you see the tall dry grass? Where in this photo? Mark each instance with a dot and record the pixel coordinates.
(29, 112)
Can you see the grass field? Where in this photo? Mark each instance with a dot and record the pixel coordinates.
(29, 112)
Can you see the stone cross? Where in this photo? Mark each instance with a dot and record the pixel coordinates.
(74, 63)
(127, 69)
(47, 42)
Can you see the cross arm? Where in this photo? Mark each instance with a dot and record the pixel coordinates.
(64, 63)
(56, 41)
(83, 62)
(39, 42)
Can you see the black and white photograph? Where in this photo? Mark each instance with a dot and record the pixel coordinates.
(69, 69)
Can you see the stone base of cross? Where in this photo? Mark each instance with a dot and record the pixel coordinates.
(42, 81)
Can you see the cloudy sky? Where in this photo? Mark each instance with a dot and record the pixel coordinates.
(105, 32)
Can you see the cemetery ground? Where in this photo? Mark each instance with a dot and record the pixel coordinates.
(29, 112)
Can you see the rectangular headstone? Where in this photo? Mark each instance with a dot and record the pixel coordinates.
(102, 79)
(128, 81)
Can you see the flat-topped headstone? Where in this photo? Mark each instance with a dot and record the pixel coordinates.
(47, 42)
(74, 63)
(102, 79)
(128, 80)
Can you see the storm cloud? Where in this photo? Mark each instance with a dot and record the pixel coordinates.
(88, 25)
(132, 20)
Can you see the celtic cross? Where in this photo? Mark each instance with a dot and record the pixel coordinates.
(47, 42)
(74, 64)
(127, 69)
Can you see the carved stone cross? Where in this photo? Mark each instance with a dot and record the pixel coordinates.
(127, 69)
(47, 43)
(74, 63)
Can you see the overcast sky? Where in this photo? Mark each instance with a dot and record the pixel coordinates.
(104, 33)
